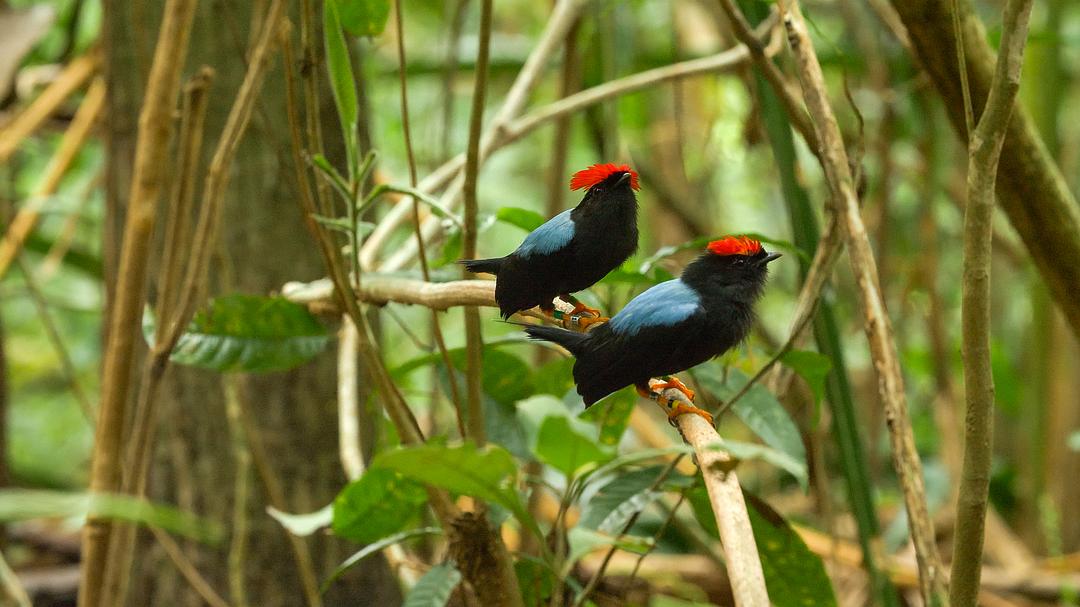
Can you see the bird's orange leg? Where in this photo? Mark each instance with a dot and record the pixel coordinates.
(578, 306)
(675, 407)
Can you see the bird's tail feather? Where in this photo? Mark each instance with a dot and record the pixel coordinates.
(484, 266)
(571, 340)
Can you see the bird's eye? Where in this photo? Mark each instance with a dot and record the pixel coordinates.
(597, 190)
(740, 261)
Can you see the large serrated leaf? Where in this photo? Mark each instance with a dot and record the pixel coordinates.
(434, 589)
(758, 409)
(379, 503)
(251, 334)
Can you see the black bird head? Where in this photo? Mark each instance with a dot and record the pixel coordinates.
(606, 182)
(731, 264)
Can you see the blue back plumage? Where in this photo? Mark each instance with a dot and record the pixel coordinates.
(555, 234)
(664, 305)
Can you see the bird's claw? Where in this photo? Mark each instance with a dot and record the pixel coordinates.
(580, 307)
(677, 408)
(674, 382)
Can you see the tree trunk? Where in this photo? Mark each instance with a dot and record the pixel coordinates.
(262, 245)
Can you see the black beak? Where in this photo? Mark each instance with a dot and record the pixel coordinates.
(768, 258)
(625, 177)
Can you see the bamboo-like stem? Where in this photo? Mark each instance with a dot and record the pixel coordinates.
(182, 304)
(474, 341)
(729, 507)
(187, 569)
(29, 120)
(147, 181)
(242, 469)
(984, 152)
(13, 589)
(27, 217)
(348, 392)
(845, 204)
(436, 330)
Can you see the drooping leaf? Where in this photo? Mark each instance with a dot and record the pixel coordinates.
(758, 409)
(303, 525)
(252, 334)
(376, 547)
(379, 503)
(25, 504)
(794, 576)
(451, 250)
(567, 447)
(435, 587)
(342, 82)
(341, 224)
(662, 253)
(523, 218)
(812, 367)
(364, 17)
(437, 207)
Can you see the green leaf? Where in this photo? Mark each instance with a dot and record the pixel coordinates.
(812, 367)
(431, 202)
(794, 576)
(523, 218)
(25, 504)
(378, 504)
(504, 376)
(376, 547)
(451, 250)
(342, 82)
(567, 447)
(434, 589)
(612, 415)
(555, 377)
(536, 582)
(331, 175)
(583, 541)
(1074, 441)
(303, 525)
(611, 498)
(758, 409)
(364, 17)
(744, 451)
(252, 334)
(484, 473)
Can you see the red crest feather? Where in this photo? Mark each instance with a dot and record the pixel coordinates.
(587, 178)
(735, 245)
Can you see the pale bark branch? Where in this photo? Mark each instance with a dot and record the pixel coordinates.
(728, 506)
(845, 203)
(984, 152)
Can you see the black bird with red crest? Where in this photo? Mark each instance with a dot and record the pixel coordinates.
(672, 326)
(574, 249)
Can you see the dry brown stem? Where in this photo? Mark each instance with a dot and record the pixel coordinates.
(26, 218)
(30, 119)
(845, 204)
(147, 181)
